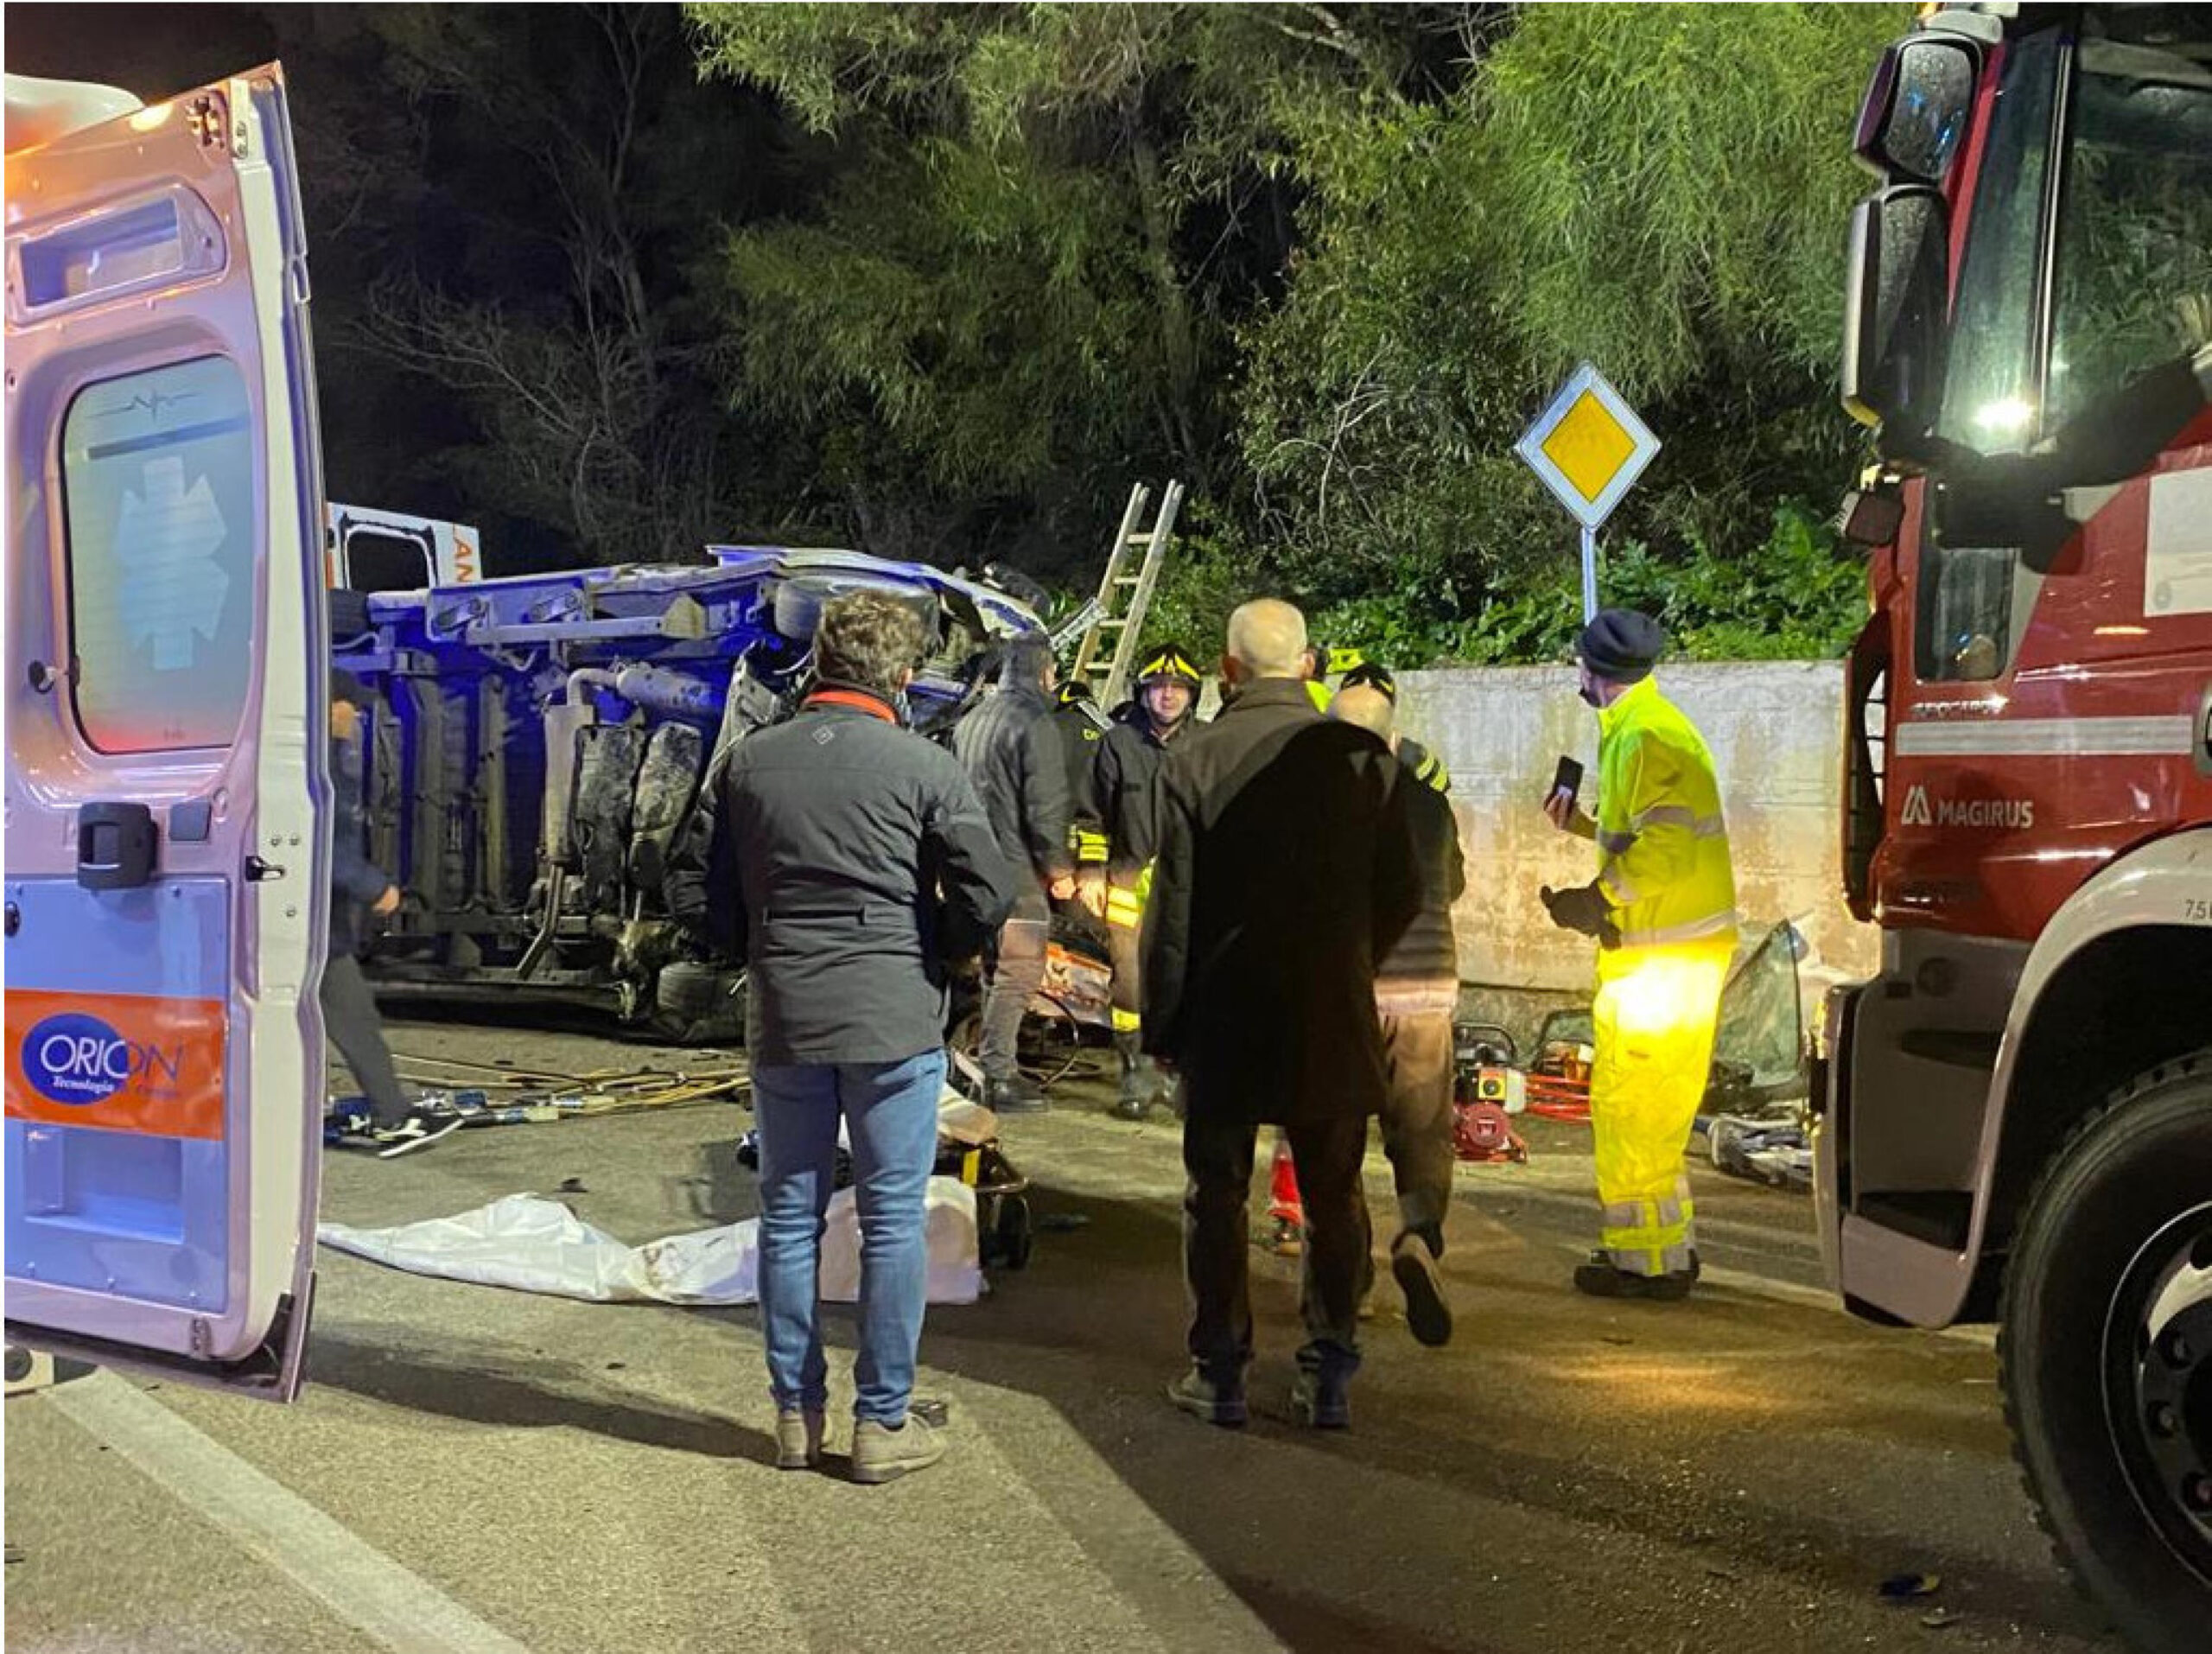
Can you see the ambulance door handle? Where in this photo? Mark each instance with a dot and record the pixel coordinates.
(117, 846)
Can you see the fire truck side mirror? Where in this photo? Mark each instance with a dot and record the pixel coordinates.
(1894, 304)
(1871, 517)
(1916, 107)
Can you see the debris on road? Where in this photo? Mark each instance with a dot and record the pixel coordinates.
(1905, 1587)
(1777, 1152)
(530, 1244)
(503, 1094)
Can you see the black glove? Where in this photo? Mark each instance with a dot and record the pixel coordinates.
(1584, 908)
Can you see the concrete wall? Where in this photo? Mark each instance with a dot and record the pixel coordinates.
(1774, 728)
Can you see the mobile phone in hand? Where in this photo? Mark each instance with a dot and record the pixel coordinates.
(1567, 779)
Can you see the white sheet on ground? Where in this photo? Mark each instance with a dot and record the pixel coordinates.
(534, 1244)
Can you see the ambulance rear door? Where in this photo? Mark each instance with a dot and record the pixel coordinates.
(167, 801)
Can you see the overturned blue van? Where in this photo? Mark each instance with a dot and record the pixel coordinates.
(539, 745)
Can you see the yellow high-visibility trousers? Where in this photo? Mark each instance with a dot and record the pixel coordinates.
(1655, 1015)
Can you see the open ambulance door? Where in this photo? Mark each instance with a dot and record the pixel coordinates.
(168, 814)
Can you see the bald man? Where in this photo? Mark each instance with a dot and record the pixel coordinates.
(1286, 870)
(1416, 991)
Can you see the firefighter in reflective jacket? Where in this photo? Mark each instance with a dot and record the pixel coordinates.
(1124, 779)
(1422, 764)
(1663, 909)
(1081, 729)
(1352, 670)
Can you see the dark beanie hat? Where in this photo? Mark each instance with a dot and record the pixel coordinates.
(344, 686)
(1621, 644)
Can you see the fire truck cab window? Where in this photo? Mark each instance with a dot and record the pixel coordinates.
(1989, 390)
(2134, 266)
(157, 474)
(1965, 621)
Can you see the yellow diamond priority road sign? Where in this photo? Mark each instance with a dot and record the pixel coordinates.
(1588, 447)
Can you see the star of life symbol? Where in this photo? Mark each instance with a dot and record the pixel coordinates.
(1916, 812)
(165, 537)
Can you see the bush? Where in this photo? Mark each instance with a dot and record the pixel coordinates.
(1793, 597)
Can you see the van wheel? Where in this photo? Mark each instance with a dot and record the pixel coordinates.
(694, 1004)
(800, 599)
(2106, 1355)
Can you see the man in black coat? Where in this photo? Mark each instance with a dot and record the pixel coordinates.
(1012, 753)
(1284, 871)
(852, 865)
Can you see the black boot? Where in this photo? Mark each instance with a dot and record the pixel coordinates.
(1014, 1096)
(1140, 1079)
(1601, 1279)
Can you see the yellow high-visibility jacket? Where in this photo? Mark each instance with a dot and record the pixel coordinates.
(1662, 845)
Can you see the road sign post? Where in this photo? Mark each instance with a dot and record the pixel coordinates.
(1588, 448)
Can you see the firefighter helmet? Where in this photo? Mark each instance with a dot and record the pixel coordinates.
(1168, 662)
(1374, 675)
(1072, 691)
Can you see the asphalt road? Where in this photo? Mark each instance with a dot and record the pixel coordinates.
(475, 1469)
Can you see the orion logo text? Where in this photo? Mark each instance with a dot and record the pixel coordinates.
(76, 1058)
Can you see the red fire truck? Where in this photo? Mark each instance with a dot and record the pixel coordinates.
(2017, 1112)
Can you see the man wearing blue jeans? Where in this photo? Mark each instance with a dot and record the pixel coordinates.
(852, 863)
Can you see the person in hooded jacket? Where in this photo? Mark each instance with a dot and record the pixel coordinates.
(1012, 753)
(360, 889)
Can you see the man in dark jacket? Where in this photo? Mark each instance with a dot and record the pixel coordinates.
(1012, 753)
(1416, 990)
(1124, 777)
(360, 887)
(1284, 871)
(861, 866)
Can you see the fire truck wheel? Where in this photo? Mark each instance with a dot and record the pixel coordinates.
(2106, 1355)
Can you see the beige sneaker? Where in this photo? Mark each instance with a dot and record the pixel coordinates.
(798, 1439)
(883, 1454)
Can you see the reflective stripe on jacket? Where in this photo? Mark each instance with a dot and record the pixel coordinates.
(1662, 844)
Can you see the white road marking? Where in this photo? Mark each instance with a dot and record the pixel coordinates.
(376, 1595)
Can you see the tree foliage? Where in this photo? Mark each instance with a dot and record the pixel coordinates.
(1041, 226)
(942, 280)
(1660, 189)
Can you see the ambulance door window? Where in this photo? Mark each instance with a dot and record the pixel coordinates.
(157, 474)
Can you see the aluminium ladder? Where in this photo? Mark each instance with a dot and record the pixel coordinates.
(1108, 653)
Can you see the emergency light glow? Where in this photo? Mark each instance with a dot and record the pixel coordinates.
(2007, 416)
